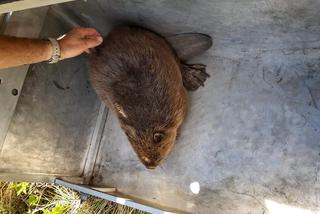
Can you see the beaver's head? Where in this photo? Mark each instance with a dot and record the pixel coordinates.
(152, 130)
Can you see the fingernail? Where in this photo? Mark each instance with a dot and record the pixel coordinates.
(100, 39)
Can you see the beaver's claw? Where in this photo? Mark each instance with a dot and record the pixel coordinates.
(194, 76)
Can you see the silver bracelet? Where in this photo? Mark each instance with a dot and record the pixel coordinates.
(55, 51)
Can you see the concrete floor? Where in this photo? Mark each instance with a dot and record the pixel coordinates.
(252, 133)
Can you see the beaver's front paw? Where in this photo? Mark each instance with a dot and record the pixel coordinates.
(194, 76)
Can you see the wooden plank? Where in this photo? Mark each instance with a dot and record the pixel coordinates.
(27, 4)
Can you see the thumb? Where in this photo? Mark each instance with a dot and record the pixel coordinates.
(92, 42)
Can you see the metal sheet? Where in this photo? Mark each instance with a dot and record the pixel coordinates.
(116, 198)
(4, 19)
(53, 128)
(23, 24)
(252, 134)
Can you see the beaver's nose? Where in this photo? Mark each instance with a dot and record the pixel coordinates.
(146, 160)
(150, 167)
(148, 163)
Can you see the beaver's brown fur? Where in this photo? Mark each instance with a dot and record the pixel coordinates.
(137, 74)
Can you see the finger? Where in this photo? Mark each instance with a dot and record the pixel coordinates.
(92, 37)
(92, 42)
(87, 32)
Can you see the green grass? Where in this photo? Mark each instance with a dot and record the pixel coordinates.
(40, 198)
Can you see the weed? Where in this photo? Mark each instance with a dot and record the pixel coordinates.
(41, 198)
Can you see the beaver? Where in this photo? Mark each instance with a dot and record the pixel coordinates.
(139, 76)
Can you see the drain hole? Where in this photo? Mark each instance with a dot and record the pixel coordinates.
(14, 92)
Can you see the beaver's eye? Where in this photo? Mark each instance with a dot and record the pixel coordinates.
(157, 137)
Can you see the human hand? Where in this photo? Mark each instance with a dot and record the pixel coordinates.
(77, 41)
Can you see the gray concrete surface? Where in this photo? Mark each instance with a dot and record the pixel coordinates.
(252, 133)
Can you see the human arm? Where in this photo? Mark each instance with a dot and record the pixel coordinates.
(19, 51)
